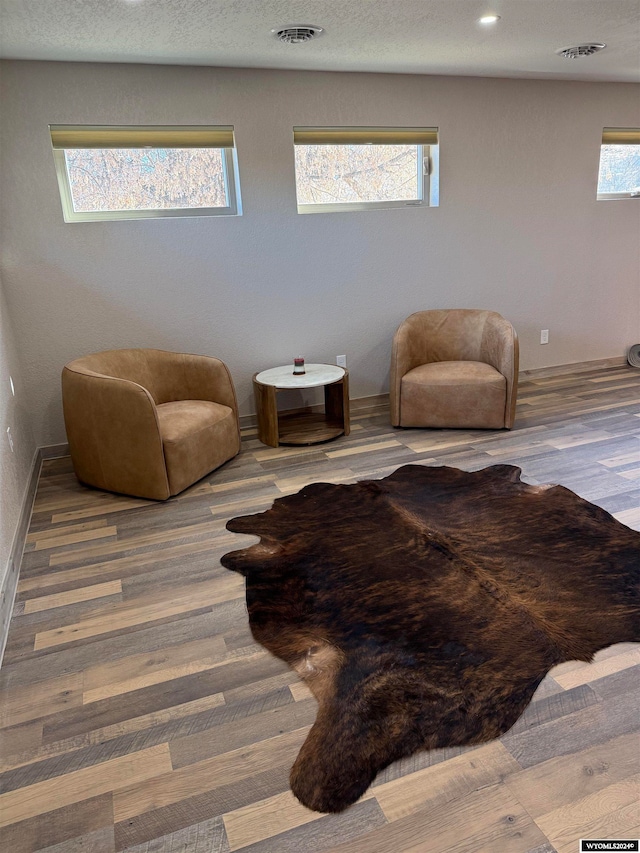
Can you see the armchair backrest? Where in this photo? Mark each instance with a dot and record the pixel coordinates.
(130, 364)
(167, 376)
(456, 334)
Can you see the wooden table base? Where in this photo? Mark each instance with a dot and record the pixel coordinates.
(302, 428)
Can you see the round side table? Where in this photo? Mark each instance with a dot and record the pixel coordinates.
(275, 429)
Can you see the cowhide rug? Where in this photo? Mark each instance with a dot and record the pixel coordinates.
(424, 609)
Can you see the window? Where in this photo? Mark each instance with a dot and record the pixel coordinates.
(109, 173)
(619, 175)
(363, 168)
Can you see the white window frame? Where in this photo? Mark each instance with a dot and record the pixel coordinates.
(426, 158)
(177, 137)
(618, 136)
(610, 196)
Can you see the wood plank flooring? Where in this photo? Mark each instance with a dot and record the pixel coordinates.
(137, 713)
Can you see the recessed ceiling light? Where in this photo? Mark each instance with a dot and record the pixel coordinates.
(297, 34)
(489, 19)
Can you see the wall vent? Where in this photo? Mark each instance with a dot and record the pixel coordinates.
(633, 357)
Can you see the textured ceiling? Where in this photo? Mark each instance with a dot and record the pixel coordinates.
(401, 36)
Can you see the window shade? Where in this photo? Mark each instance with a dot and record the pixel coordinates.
(365, 135)
(621, 136)
(74, 136)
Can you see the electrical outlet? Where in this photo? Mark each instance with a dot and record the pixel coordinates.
(10, 437)
(544, 336)
(341, 360)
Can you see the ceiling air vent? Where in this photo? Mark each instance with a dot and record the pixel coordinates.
(298, 34)
(580, 50)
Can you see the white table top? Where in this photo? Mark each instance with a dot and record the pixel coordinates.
(314, 375)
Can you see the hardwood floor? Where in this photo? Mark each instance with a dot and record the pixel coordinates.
(138, 714)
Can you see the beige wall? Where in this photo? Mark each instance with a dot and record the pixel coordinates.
(518, 230)
(16, 465)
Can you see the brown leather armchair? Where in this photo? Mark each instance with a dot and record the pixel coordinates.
(454, 368)
(147, 422)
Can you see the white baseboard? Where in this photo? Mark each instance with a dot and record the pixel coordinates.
(10, 582)
(577, 367)
(54, 451)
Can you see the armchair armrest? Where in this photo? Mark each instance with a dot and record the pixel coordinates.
(207, 378)
(407, 352)
(500, 349)
(114, 435)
